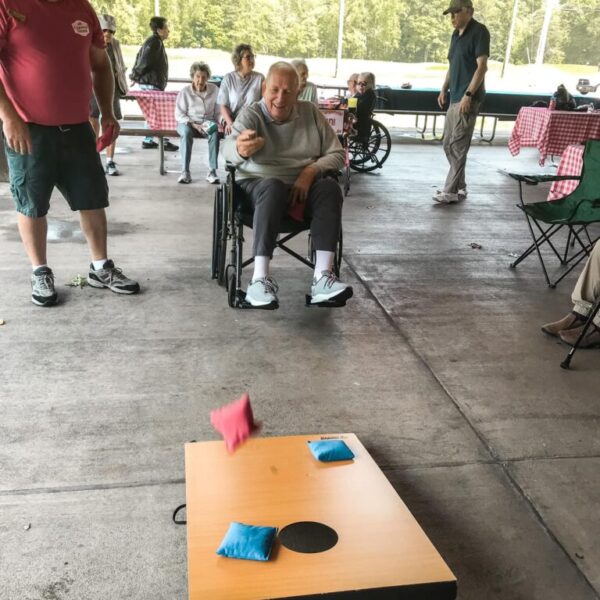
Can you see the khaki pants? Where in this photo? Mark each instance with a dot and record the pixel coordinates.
(587, 288)
(458, 131)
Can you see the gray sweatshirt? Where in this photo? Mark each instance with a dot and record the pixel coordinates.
(305, 139)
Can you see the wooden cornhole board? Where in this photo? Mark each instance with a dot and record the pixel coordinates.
(381, 553)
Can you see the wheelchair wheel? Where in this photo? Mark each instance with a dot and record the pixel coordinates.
(370, 154)
(217, 225)
(220, 233)
(230, 283)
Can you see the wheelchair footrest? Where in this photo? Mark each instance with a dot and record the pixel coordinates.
(335, 302)
(243, 303)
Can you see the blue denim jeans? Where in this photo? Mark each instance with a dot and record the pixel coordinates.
(146, 87)
(187, 134)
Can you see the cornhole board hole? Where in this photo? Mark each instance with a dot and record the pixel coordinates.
(354, 537)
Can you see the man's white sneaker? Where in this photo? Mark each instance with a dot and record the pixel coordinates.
(328, 287)
(185, 177)
(212, 177)
(262, 292)
(446, 197)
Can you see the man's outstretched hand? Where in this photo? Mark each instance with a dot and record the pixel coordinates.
(248, 143)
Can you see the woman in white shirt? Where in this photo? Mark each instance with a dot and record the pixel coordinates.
(197, 113)
(307, 90)
(240, 87)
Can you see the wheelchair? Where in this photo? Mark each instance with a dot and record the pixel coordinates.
(231, 214)
(369, 153)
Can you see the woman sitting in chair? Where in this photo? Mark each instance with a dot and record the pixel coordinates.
(365, 95)
(307, 90)
(240, 87)
(197, 113)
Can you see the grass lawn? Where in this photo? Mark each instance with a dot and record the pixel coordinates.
(322, 70)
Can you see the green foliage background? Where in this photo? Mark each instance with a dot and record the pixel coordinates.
(391, 30)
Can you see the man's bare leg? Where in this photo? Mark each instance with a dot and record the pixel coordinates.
(34, 232)
(93, 225)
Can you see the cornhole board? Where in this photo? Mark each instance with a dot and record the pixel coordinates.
(381, 551)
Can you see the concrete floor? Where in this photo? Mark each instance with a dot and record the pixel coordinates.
(437, 364)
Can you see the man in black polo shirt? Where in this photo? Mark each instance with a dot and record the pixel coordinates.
(468, 55)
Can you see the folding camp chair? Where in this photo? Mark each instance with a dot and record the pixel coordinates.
(565, 364)
(575, 212)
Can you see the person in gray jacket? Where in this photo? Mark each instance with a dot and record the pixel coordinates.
(282, 149)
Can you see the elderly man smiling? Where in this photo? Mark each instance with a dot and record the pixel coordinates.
(282, 149)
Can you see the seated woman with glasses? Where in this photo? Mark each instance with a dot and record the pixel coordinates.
(197, 113)
(240, 87)
(307, 90)
(365, 95)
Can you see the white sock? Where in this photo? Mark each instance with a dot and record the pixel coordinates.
(261, 267)
(324, 262)
(98, 264)
(35, 267)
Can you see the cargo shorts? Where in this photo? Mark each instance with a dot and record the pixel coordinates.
(64, 157)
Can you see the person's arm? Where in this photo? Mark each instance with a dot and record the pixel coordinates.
(476, 81)
(244, 140)
(150, 54)
(332, 154)
(331, 159)
(15, 129)
(223, 102)
(181, 108)
(104, 88)
(228, 118)
(442, 95)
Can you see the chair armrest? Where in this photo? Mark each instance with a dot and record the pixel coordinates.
(534, 179)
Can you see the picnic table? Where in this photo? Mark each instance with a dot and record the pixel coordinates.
(551, 131)
(158, 107)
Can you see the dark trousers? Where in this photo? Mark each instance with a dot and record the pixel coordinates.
(270, 199)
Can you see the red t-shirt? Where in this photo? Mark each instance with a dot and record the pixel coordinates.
(45, 58)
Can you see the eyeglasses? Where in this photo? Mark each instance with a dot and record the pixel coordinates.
(361, 83)
(108, 31)
(248, 56)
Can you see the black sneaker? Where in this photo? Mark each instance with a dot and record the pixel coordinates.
(149, 145)
(112, 278)
(42, 287)
(170, 147)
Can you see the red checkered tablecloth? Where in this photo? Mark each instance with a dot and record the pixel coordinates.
(158, 107)
(571, 163)
(551, 131)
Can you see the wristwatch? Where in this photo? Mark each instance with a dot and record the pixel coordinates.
(468, 94)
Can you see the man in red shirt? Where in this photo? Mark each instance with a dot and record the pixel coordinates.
(48, 48)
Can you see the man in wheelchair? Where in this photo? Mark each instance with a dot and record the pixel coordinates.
(282, 150)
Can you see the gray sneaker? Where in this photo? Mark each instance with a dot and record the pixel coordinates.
(112, 278)
(329, 287)
(262, 292)
(212, 177)
(185, 177)
(42, 287)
